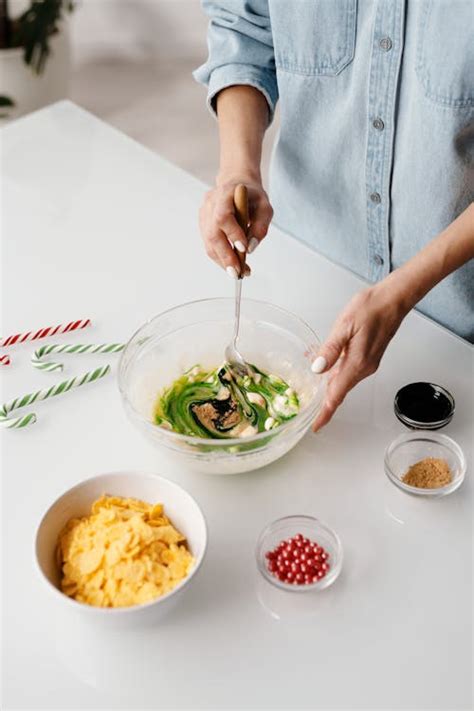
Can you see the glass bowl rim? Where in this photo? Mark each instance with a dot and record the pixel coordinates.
(325, 582)
(302, 417)
(438, 438)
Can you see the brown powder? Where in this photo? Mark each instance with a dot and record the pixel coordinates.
(429, 473)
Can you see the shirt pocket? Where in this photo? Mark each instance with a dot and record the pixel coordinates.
(313, 37)
(445, 52)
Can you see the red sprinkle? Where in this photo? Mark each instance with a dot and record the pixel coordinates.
(298, 561)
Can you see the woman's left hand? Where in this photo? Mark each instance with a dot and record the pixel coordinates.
(357, 342)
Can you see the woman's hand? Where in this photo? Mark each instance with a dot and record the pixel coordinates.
(220, 229)
(357, 342)
(364, 329)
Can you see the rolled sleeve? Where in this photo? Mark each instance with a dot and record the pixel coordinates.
(232, 74)
(240, 46)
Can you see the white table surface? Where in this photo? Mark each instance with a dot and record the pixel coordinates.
(96, 226)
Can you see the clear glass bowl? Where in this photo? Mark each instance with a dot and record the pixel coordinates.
(198, 332)
(426, 397)
(310, 527)
(411, 448)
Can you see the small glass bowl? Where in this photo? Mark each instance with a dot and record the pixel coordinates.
(310, 527)
(410, 448)
(428, 395)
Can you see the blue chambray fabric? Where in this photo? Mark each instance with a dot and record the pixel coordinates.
(375, 153)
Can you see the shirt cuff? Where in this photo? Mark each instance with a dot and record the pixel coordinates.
(231, 74)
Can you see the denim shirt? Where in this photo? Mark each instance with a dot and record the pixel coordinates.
(375, 151)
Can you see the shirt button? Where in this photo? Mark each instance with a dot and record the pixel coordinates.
(378, 124)
(385, 44)
(378, 260)
(375, 197)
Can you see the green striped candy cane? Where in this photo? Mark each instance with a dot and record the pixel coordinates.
(58, 389)
(50, 366)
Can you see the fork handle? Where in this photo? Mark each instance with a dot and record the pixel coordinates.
(241, 208)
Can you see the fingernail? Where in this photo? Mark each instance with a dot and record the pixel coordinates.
(232, 272)
(240, 246)
(253, 244)
(319, 365)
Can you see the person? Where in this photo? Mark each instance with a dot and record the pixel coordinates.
(373, 165)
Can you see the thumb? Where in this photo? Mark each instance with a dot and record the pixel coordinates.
(330, 351)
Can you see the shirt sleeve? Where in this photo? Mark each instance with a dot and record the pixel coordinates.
(240, 47)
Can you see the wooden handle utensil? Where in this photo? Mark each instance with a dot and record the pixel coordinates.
(241, 206)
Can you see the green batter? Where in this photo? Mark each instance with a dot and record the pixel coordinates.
(203, 403)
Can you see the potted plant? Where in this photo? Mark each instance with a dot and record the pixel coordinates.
(34, 54)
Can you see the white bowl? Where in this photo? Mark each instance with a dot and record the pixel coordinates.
(181, 508)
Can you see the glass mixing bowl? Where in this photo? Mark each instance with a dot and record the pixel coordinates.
(197, 333)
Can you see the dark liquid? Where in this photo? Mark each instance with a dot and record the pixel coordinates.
(424, 402)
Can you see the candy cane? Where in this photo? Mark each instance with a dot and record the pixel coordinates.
(70, 348)
(64, 387)
(41, 333)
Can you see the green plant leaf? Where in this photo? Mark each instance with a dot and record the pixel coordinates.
(6, 101)
(36, 26)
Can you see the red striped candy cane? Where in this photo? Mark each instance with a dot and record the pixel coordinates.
(40, 333)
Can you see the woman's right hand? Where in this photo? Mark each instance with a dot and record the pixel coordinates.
(220, 229)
